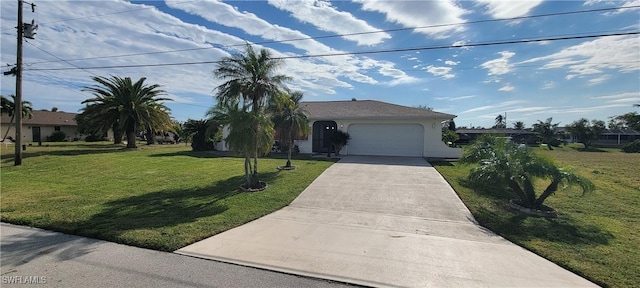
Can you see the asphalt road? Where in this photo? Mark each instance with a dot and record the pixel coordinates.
(50, 259)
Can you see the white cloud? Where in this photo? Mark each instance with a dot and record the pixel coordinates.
(626, 3)
(321, 14)
(451, 63)
(499, 66)
(630, 95)
(615, 53)
(548, 85)
(455, 98)
(507, 88)
(339, 66)
(420, 14)
(599, 80)
(444, 72)
(400, 77)
(508, 9)
(501, 105)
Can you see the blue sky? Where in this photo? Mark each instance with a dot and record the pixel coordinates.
(594, 78)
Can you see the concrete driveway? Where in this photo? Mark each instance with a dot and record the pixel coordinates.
(383, 221)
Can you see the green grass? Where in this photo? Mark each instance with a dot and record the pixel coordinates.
(596, 236)
(160, 197)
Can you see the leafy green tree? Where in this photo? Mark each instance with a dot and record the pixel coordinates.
(339, 139)
(122, 104)
(9, 106)
(586, 132)
(249, 134)
(250, 81)
(504, 163)
(631, 120)
(289, 119)
(547, 132)
(450, 137)
(518, 125)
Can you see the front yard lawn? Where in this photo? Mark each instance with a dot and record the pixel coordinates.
(596, 236)
(160, 197)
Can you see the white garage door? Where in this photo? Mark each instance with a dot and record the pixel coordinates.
(386, 139)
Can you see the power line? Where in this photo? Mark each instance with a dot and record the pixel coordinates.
(45, 51)
(352, 34)
(481, 44)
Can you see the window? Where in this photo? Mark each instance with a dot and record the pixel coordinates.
(56, 128)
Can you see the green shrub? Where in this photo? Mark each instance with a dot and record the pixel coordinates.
(57, 136)
(93, 138)
(633, 147)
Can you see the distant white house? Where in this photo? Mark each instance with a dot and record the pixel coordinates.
(41, 125)
(376, 128)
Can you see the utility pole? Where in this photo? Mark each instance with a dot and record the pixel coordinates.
(18, 101)
(24, 30)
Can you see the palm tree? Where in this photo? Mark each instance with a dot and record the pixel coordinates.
(250, 80)
(9, 107)
(249, 134)
(500, 122)
(518, 125)
(122, 103)
(504, 163)
(200, 131)
(159, 121)
(289, 119)
(546, 131)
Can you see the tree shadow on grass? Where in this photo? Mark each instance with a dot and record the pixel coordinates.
(591, 149)
(157, 214)
(563, 229)
(26, 154)
(197, 154)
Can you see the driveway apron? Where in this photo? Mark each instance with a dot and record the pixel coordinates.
(383, 221)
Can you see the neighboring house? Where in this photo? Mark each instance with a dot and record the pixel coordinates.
(376, 128)
(41, 125)
(517, 136)
(608, 137)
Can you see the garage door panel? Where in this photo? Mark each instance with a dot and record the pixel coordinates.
(386, 139)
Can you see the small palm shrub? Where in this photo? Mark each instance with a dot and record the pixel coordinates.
(633, 147)
(339, 139)
(57, 136)
(505, 164)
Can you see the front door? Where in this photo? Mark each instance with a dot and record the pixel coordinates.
(322, 131)
(35, 133)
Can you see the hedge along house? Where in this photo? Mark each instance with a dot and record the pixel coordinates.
(41, 125)
(377, 128)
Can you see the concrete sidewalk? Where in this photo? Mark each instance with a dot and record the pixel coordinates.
(383, 221)
(30, 256)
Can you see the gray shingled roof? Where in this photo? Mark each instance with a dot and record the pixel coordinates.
(47, 118)
(367, 109)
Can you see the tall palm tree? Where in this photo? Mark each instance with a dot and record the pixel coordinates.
(250, 79)
(125, 104)
(289, 119)
(500, 122)
(9, 107)
(249, 134)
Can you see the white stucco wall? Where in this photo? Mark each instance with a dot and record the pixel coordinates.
(27, 133)
(433, 145)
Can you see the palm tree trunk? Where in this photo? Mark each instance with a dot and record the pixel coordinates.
(518, 191)
(149, 136)
(247, 171)
(553, 187)
(8, 129)
(131, 137)
(530, 192)
(117, 134)
(290, 146)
